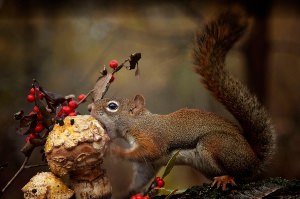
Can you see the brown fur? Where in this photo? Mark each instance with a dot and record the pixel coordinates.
(212, 45)
(207, 142)
(146, 148)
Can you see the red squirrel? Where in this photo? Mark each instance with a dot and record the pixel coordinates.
(220, 149)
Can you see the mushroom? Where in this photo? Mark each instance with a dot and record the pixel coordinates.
(76, 146)
(46, 185)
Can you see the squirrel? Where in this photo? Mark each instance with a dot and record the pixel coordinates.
(222, 150)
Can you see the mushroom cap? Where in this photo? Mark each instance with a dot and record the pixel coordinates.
(46, 185)
(79, 144)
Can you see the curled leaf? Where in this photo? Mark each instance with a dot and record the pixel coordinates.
(38, 142)
(47, 116)
(27, 149)
(101, 86)
(134, 59)
(27, 123)
(53, 98)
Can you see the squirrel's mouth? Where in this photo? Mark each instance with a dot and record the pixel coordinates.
(127, 137)
(107, 130)
(110, 130)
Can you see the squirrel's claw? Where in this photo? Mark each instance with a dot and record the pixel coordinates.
(223, 181)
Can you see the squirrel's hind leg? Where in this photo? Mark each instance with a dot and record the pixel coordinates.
(223, 181)
(225, 154)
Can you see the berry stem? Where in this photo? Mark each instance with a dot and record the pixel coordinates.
(88, 94)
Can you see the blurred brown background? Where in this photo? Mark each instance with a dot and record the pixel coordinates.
(64, 45)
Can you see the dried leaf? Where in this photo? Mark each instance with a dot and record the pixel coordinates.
(27, 149)
(27, 123)
(101, 86)
(104, 71)
(38, 142)
(133, 60)
(47, 117)
(53, 98)
(19, 115)
(137, 71)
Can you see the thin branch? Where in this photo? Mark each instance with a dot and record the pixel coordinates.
(35, 165)
(89, 93)
(16, 175)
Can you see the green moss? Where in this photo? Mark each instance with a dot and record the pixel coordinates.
(268, 188)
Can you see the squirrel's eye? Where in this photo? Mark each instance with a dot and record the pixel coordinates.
(112, 106)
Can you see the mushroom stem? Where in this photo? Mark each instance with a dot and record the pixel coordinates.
(98, 188)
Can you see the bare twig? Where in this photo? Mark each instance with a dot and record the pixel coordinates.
(35, 165)
(16, 175)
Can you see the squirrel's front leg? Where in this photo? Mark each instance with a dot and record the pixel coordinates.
(143, 172)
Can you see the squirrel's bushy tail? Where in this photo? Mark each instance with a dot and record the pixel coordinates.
(212, 45)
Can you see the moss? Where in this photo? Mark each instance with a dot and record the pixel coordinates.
(269, 188)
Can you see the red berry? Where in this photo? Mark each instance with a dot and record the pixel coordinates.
(73, 113)
(59, 114)
(41, 96)
(157, 179)
(113, 64)
(138, 196)
(39, 127)
(66, 109)
(39, 116)
(81, 97)
(36, 109)
(30, 137)
(133, 197)
(160, 183)
(27, 139)
(73, 104)
(112, 79)
(30, 98)
(31, 91)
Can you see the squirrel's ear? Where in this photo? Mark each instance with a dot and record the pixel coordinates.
(139, 102)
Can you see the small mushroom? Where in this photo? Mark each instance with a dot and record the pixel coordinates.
(77, 148)
(46, 185)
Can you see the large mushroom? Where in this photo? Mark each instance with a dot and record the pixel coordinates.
(76, 147)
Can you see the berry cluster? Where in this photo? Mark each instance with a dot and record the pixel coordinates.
(51, 108)
(31, 95)
(159, 182)
(39, 127)
(139, 196)
(68, 108)
(114, 65)
(156, 184)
